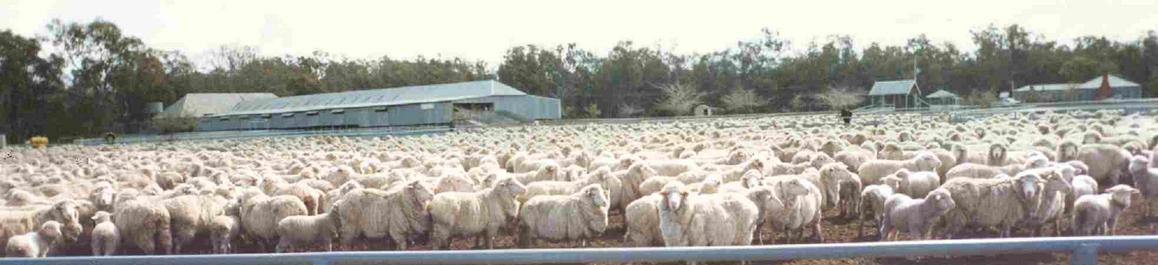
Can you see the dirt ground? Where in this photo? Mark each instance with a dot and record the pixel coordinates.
(835, 230)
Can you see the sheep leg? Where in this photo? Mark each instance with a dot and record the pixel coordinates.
(282, 246)
(329, 244)
(96, 247)
(1112, 225)
(816, 232)
(1057, 227)
(491, 234)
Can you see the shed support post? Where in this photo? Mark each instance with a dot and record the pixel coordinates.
(1085, 254)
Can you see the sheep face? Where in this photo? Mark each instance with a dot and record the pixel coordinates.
(1139, 165)
(927, 162)
(1121, 194)
(51, 231)
(420, 192)
(751, 179)
(597, 195)
(1030, 185)
(673, 197)
(941, 200)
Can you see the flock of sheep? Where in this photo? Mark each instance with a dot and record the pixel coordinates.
(694, 183)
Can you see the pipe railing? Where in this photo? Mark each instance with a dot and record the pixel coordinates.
(1084, 250)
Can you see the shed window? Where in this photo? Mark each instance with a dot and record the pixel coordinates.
(380, 109)
(266, 116)
(287, 115)
(224, 118)
(338, 111)
(312, 113)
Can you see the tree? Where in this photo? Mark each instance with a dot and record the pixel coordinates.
(1082, 68)
(840, 98)
(741, 100)
(678, 99)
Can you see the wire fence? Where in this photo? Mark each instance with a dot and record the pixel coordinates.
(1084, 250)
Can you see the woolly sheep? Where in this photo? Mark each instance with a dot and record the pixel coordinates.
(144, 224)
(915, 216)
(28, 219)
(1098, 214)
(870, 172)
(260, 214)
(299, 230)
(34, 244)
(987, 202)
(471, 214)
(872, 201)
(223, 231)
(833, 178)
(191, 215)
(641, 222)
(601, 176)
(801, 202)
(688, 219)
(1146, 181)
(105, 236)
(1053, 201)
(397, 213)
(1106, 162)
(916, 184)
(579, 216)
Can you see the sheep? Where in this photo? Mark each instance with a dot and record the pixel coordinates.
(190, 215)
(222, 231)
(1146, 181)
(872, 201)
(872, 171)
(105, 236)
(295, 231)
(915, 216)
(547, 172)
(34, 244)
(641, 222)
(27, 219)
(311, 197)
(579, 216)
(260, 214)
(997, 203)
(688, 219)
(981, 171)
(1099, 213)
(471, 214)
(801, 201)
(396, 214)
(833, 178)
(854, 157)
(453, 183)
(1106, 162)
(1053, 201)
(144, 224)
(600, 176)
(916, 184)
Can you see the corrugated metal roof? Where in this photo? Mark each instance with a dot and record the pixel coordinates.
(200, 104)
(942, 94)
(1115, 81)
(377, 97)
(894, 87)
(1047, 87)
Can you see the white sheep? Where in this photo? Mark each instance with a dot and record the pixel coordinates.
(835, 179)
(1146, 181)
(579, 216)
(1098, 214)
(396, 214)
(1053, 201)
(29, 219)
(801, 201)
(260, 214)
(34, 244)
(872, 171)
(917, 184)
(1106, 162)
(1000, 203)
(105, 236)
(144, 224)
(915, 216)
(223, 231)
(688, 219)
(300, 230)
(641, 222)
(480, 213)
(872, 201)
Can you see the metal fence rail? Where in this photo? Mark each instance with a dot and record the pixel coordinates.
(1084, 251)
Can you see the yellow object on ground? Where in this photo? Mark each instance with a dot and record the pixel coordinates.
(39, 141)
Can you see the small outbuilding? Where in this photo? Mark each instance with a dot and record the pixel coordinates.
(899, 94)
(703, 110)
(943, 97)
(1103, 87)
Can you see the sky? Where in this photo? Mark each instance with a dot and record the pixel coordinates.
(484, 30)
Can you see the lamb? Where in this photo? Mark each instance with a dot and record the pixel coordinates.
(916, 184)
(222, 231)
(296, 231)
(601, 176)
(397, 213)
(987, 202)
(705, 220)
(546, 172)
(313, 198)
(641, 219)
(915, 216)
(1146, 181)
(260, 214)
(1106, 162)
(34, 244)
(833, 178)
(1098, 214)
(872, 201)
(1053, 201)
(579, 216)
(872, 171)
(801, 202)
(105, 236)
(192, 214)
(854, 157)
(27, 219)
(471, 214)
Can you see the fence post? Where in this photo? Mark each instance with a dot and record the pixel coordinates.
(1085, 254)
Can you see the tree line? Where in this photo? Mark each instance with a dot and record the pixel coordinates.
(96, 79)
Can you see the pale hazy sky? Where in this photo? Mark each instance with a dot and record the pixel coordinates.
(483, 30)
